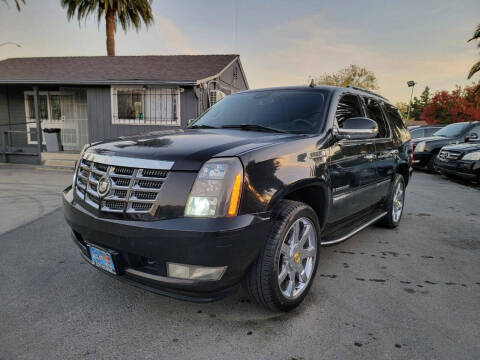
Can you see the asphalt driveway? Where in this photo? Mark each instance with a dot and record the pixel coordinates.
(409, 293)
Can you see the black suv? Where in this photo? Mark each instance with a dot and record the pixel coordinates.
(427, 149)
(460, 161)
(250, 191)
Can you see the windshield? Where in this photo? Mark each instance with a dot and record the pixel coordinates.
(452, 130)
(292, 111)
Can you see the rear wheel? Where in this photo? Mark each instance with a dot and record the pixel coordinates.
(395, 203)
(283, 273)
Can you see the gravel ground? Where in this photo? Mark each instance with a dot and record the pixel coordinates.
(408, 293)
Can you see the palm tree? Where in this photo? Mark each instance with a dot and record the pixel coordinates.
(475, 68)
(17, 3)
(129, 13)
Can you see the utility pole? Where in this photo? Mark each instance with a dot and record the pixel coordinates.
(411, 84)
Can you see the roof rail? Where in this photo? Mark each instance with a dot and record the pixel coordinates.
(367, 91)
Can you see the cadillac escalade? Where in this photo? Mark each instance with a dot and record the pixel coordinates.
(248, 193)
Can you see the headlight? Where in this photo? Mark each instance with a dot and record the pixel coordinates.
(472, 156)
(420, 146)
(78, 163)
(216, 191)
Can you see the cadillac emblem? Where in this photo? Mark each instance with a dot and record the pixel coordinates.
(104, 185)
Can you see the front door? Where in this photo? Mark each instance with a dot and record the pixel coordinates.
(352, 168)
(386, 152)
(65, 110)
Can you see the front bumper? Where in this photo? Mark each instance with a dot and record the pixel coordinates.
(421, 159)
(465, 169)
(142, 248)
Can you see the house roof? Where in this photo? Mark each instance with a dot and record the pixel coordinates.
(155, 69)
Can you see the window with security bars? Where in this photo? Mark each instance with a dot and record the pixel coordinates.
(146, 106)
(49, 107)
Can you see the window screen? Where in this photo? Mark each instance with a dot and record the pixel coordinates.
(348, 107)
(374, 112)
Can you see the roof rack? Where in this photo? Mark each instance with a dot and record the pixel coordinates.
(367, 91)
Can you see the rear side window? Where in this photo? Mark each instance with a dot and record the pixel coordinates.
(397, 124)
(348, 107)
(374, 112)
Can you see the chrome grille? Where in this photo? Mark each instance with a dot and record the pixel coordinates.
(449, 155)
(133, 190)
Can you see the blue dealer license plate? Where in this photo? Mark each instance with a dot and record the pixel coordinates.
(102, 259)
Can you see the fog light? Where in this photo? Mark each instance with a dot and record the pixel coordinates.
(193, 272)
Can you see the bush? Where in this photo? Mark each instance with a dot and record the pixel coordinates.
(459, 105)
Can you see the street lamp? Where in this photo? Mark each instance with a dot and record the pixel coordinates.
(10, 43)
(411, 84)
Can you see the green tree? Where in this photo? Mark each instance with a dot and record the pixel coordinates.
(475, 68)
(17, 3)
(425, 97)
(416, 109)
(402, 108)
(129, 13)
(418, 104)
(353, 75)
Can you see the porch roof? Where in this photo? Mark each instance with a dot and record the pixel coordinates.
(98, 70)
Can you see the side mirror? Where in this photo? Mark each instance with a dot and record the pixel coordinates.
(190, 121)
(472, 136)
(357, 128)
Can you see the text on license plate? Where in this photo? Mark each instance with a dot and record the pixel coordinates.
(102, 259)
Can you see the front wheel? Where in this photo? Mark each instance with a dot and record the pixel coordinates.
(431, 164)
(395, 203)
(283, 273)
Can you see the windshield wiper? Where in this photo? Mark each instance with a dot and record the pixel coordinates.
(253, 127)
(202, 127)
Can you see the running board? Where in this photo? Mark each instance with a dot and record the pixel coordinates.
(353, 232)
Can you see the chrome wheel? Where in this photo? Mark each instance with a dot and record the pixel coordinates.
(297, 258)
(398, 198)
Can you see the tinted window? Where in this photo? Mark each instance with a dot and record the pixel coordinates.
(453, 130)
(417, 133)
(287, 110)
(348, 107)
(476, 130)
(374, 112)
(431, 131)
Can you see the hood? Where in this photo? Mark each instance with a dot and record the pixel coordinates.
(464, 147)
(189, 148)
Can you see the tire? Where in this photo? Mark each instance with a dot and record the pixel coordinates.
(280, 255)
(392, 218)
(431, 164)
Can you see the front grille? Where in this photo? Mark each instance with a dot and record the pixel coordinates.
(149, 184)
(133, 190)
(449, 155)
(143, 195)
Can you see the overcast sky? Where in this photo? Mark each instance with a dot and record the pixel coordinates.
(280, 42)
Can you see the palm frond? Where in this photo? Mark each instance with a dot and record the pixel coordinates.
(475, 68)
(17, 3)
(129, 13)
(476, 34)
